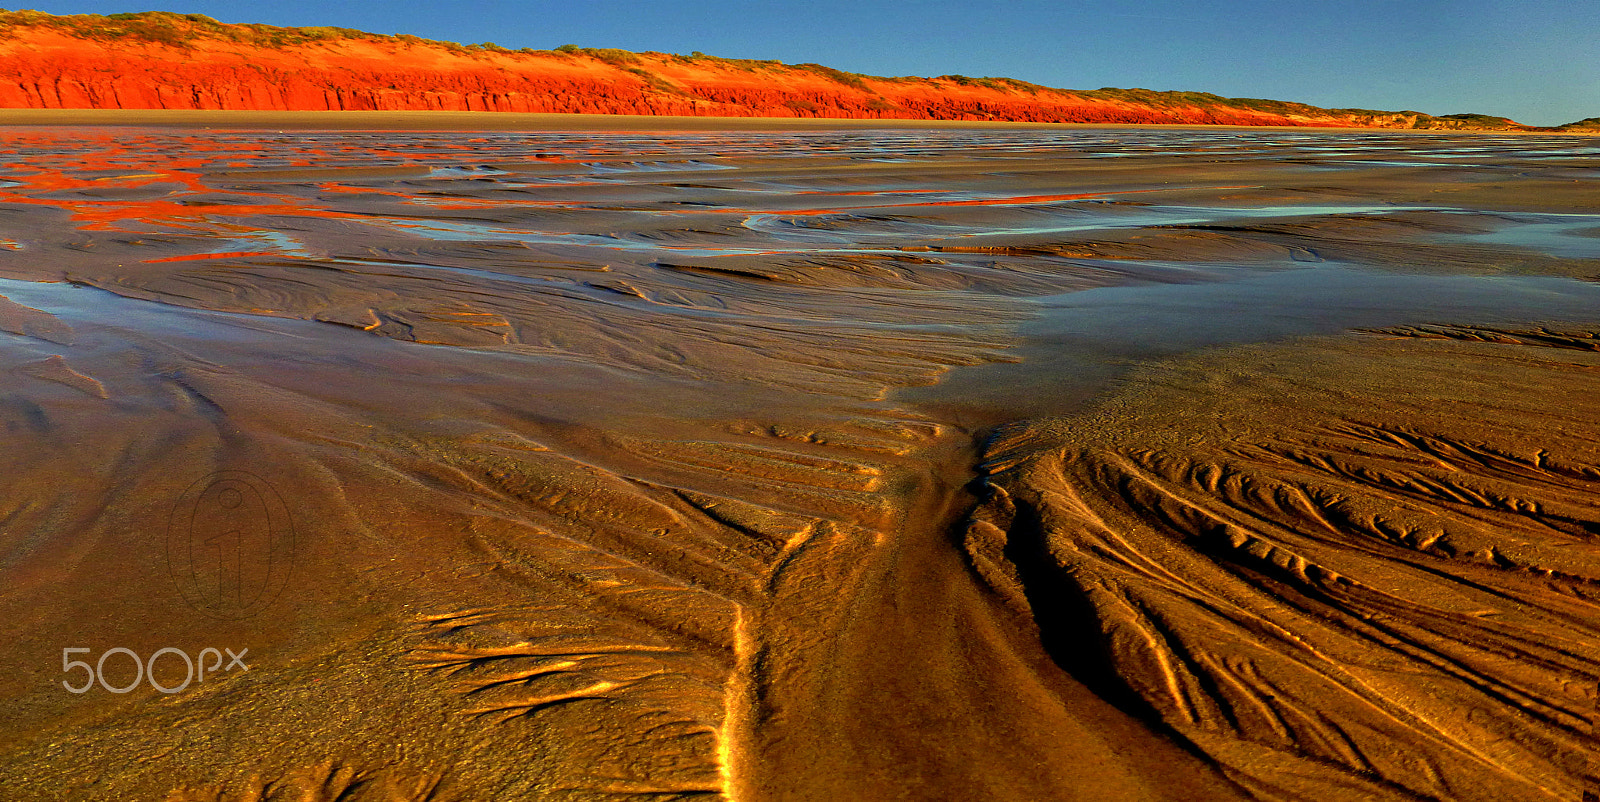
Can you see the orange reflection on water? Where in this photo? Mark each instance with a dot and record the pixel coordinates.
(212, 192)
(68, 172)
(195, 257)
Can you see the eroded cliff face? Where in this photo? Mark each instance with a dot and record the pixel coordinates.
(46, 69)
(168, 61)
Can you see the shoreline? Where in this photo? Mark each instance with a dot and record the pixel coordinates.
(518, 121)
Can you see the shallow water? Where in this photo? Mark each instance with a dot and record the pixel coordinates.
(1325, 299)
(1079, 343)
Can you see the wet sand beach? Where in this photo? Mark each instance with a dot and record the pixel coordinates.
(818, 462)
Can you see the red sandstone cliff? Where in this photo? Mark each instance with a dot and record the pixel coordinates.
(157, 60)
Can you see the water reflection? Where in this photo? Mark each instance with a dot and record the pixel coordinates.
(319, 199)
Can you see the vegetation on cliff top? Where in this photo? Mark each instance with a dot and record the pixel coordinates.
(183, 30)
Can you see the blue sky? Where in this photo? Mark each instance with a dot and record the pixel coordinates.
(1531, 60)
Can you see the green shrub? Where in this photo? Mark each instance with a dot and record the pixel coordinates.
(178, 30)
(849, 79)
(611, 55)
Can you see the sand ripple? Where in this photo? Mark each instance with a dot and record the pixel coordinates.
(1346, 567)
